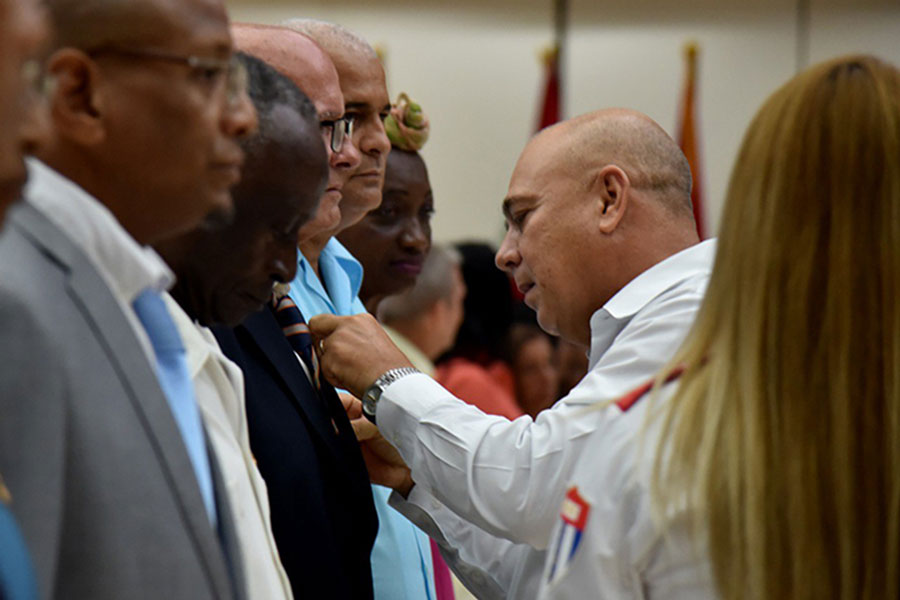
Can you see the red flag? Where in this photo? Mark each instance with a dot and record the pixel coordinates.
(688, 137)
(550, 105)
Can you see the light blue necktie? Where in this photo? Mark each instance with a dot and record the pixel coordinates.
(175, 380)
(16, 573)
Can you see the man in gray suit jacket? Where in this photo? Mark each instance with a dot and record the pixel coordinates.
(100, 442)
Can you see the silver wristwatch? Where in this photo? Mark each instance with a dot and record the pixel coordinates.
(373, 394)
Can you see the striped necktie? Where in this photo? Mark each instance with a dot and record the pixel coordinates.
(297, 333)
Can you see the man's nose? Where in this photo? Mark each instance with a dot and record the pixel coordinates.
(373, 139)
(347, 158)
(283, 263)
(507, 257)
(239, 116)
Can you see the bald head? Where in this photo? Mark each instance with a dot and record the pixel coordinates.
(630, 140)
(592, 203)
(298, 57)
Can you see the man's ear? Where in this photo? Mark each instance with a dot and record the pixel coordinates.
(610, 187)
(76, 103)
(436, 313)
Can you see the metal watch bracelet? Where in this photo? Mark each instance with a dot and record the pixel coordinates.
(373, 394)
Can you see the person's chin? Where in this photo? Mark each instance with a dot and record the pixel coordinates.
(331, 197)
(10, 192)
(5, 204)
(221, 216)
(238, 309)
(333, 222)
(545, 319)
(401, 281)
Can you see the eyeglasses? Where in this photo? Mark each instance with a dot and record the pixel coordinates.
(337, 131)
(211, 71)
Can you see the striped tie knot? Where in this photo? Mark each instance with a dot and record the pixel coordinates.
(295, 329)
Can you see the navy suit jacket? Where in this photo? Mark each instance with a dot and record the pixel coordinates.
(323, 515)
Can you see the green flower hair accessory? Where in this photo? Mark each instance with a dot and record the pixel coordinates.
(407, 126)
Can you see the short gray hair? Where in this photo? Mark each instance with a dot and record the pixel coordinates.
(435, 282)
(329, 35)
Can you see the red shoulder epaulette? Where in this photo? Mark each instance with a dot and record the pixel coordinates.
(631, 398)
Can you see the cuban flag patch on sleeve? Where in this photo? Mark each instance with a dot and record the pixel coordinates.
(573, 520)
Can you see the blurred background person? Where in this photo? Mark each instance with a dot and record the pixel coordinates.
(531, 358)
(474, 369)
(423, 320)
(571, 365)
(392, 240)
(768, 468)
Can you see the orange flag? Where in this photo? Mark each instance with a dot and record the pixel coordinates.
(688, 135)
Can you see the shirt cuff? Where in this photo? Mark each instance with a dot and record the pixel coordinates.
(403, 404)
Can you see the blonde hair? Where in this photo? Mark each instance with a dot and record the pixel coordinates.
(784, 431)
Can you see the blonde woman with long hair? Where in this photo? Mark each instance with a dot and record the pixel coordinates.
(768, 467)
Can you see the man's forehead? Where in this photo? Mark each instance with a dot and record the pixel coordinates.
(318, 80)
(192, 26)
(300, 59)
(362, 80)
(538, 168)
(24, 25)
(528, 172)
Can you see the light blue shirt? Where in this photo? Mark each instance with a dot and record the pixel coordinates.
(343, 277)
(401, 557)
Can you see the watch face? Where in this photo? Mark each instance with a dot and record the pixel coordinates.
(372, 394)
(370, 398)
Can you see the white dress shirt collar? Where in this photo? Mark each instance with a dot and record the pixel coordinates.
(126, 266)
(199, 342)
(610, 319)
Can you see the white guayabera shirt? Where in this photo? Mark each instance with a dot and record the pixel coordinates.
(606, 543)
(488, 490)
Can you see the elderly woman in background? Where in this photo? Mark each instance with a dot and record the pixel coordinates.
(475, 369)
(768, 467)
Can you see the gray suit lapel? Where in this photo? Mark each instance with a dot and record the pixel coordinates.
(100, 308)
